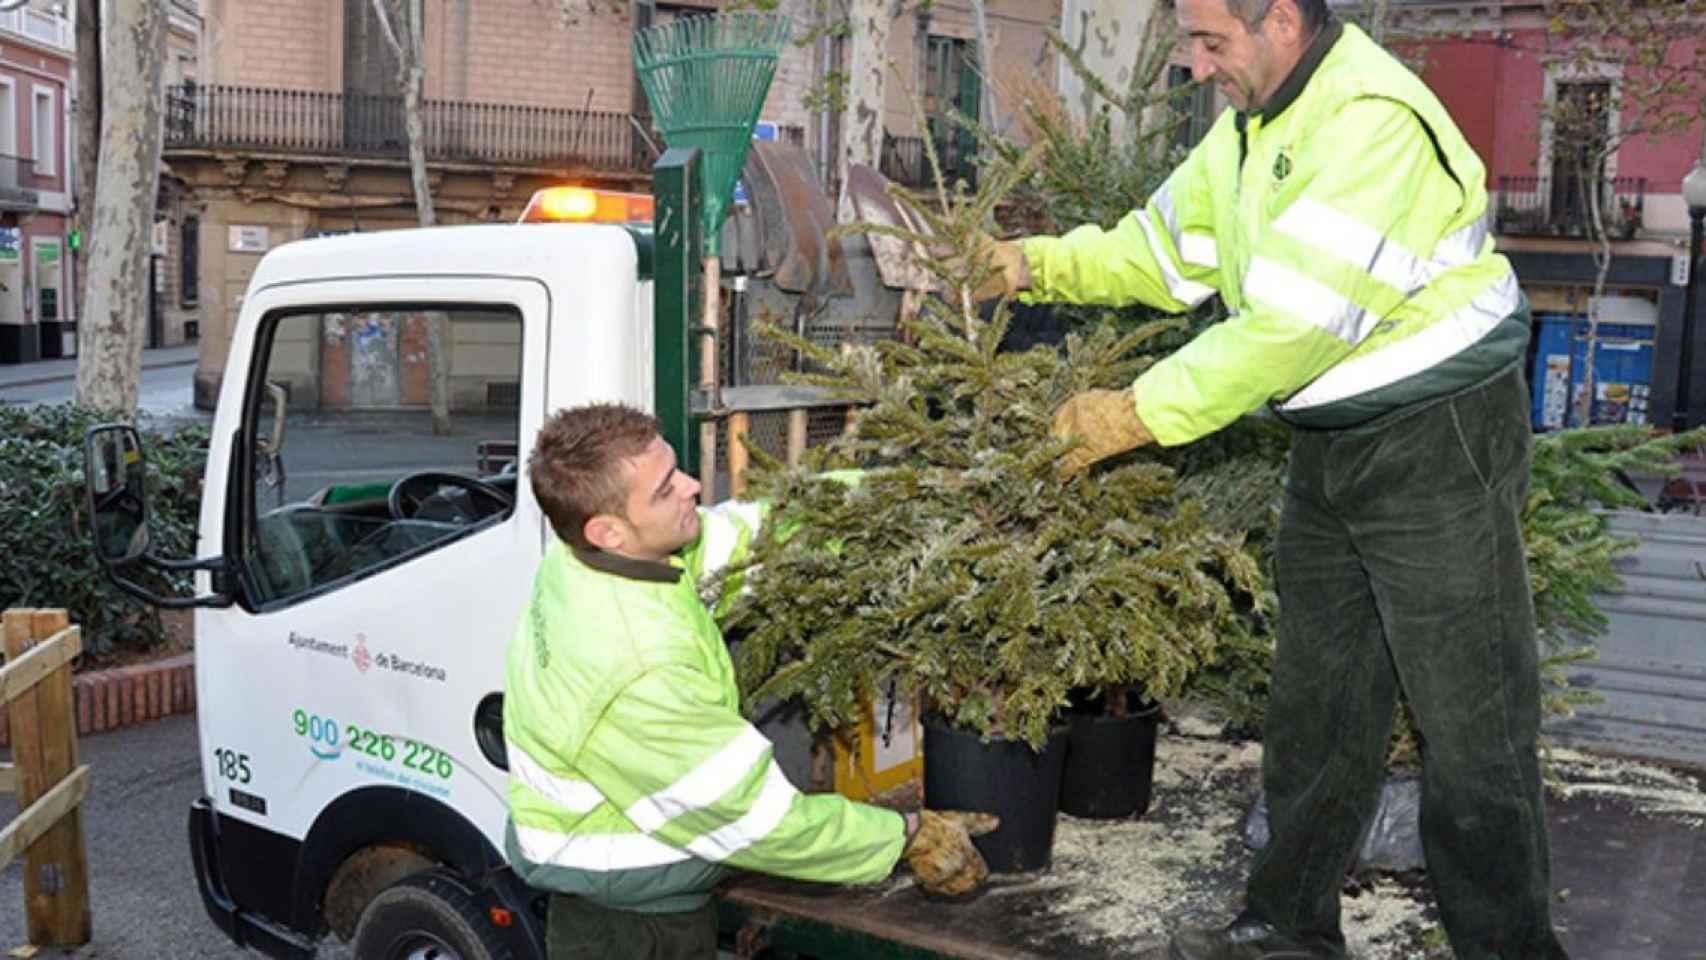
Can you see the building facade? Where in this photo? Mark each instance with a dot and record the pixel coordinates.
(37, 44)
(284, 121)
(1501, 72)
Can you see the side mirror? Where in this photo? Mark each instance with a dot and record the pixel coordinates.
(115, 473)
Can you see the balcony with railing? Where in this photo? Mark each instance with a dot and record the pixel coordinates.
(1557, 207)
(18, 183)
(42, 26)
(904, 161)
(325, 124)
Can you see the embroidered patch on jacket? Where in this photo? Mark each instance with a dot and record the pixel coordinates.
(1282, 165)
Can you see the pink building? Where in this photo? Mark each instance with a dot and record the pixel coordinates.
(36, 164)
(1494, 66)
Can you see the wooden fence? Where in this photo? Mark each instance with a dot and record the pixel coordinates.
(44, 773)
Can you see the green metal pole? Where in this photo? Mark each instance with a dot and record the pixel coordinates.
(678, 231)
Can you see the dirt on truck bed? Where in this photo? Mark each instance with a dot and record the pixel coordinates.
(1628, 844)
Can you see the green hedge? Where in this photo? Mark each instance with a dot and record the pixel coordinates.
(46, 558)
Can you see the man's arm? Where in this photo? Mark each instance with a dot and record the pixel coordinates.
(683, 766)
(1333, 261)
(1163, 255)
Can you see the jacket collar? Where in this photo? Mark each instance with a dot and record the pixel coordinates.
(627, 567)
(1327, 35)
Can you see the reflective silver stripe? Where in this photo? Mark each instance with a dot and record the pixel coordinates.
(1462, 247)
(704, 784)
(1162, 201)
(600, 852)
(724, 527)
(1414, 354)
(1198, 248)
(1307, 299)
(1188, 292)
(774, 801)
(575, 796)
(1356, 242)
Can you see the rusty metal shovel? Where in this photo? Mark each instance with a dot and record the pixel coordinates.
(900, 264)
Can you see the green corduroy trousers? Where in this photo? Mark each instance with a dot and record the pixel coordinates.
(578, 929)
(1400, 565)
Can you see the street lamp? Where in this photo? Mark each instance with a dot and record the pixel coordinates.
(1693, 194)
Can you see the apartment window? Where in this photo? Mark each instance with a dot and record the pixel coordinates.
(189, 262)
(952, 86)
(8, 118)
(1581, 130)
(1193, 109)
(43, 131)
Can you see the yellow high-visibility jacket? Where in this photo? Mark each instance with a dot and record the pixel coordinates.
(1344, 225)
(634, 780)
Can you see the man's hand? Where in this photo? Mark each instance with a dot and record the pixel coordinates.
(1106, 420)
(940, 852)
(1008, 273)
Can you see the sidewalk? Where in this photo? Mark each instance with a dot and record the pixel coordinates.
(50, 371)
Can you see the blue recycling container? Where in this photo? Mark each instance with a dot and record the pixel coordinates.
(1622, 371)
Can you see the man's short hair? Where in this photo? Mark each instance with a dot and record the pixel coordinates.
(576, 464)
(1252, 11)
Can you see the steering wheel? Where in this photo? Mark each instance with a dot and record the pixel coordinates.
(469, 500)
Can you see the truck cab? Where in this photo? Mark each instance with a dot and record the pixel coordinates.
(368, 565)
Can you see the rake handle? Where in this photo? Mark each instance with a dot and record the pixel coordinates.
(711, 313)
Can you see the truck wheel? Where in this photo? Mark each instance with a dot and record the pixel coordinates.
(429, 916)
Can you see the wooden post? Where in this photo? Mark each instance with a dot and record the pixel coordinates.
(796, 435)
(739, 423)
(44, 749)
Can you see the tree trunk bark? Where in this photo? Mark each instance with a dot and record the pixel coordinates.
(109, 336)
(1377, 24)
(414, 67)
(88, 120)
(1591, 188)
(986, 66)
(862, 118)
(404, 24)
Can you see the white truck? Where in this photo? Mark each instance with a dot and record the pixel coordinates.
(361, 574)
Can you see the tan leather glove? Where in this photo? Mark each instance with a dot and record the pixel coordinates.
(1008, 273)
(941, 853)
(1106, 420)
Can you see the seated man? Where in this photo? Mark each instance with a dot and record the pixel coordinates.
(635, 783)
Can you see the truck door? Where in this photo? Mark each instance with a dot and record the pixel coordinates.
(383, 560)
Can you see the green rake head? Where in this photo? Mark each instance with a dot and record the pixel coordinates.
(706, 78)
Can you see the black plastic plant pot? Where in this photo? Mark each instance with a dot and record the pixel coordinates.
(1003, 777)
(1110, 762)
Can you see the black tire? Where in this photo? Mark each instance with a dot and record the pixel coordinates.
(429, 916)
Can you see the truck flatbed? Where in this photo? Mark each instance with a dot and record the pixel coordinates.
(1628, 851)
(1113, 890)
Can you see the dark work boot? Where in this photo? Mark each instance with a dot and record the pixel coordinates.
(1245, 938)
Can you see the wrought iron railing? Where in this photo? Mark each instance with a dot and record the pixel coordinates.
(1557, 206)
(345, 124)
(904, 161)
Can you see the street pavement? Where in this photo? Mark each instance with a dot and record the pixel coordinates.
(142, 886)
(164, 395)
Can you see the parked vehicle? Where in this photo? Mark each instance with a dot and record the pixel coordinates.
(360, 573)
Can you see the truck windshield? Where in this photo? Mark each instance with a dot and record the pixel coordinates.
(353, 470)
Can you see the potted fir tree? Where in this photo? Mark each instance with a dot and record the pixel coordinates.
(960, 567)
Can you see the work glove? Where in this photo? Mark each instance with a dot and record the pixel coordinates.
(1108, 423)
(941, 854)
(1004, 262)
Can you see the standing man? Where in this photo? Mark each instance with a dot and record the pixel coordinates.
(1340, 215)
(635, 784)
